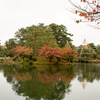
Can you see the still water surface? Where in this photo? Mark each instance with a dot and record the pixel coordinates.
(77, 82)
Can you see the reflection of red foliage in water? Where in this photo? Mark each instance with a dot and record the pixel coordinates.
(21, 76)
(47, 77)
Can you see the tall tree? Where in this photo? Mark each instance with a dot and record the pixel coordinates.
(61, 34)
(36, 37)
(20, 36)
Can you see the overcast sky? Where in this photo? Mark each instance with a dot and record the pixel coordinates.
(16, 14)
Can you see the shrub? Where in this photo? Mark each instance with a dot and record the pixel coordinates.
(14, 58)
(26, 59)
(2, 60)
(34, 58)
(68, 54)
(30, 62)
(98, 57)
(59, 59)
(50, 52)
(30, 57)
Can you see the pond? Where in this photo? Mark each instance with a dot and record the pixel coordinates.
(70, 82)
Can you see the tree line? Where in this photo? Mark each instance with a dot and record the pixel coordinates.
(37, 36)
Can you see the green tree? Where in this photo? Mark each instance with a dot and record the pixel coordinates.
(98, 49)
(86, 54)
(36, 37)
(61, 34)
(11, 43)
(79, 49)
(92, 46)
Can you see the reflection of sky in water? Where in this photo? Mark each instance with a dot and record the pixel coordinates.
(91, 91)
(6, 92)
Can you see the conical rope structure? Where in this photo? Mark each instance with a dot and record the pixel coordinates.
(85, 45)
(67, 45)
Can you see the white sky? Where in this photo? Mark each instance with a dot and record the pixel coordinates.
(16, 14)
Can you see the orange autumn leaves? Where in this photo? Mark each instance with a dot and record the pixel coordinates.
(21, 50)
(69, 53)
(94, 1)
(83, 0)
(89, 14)
(86, 16)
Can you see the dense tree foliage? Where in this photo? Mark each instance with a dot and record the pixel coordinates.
(98, 51)
(93, 46)
(11, 43)
(86, 54)
(36, 37)
(61, 34)
(65, 53)
(68, 54)
(50, 52)
(21, 50)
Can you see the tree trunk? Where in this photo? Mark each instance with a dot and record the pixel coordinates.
(35, 44)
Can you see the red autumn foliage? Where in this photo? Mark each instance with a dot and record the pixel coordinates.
(68, 53)
(50, 52)
(81, 14)
(76, 12)
(21, 50)
(94, 1)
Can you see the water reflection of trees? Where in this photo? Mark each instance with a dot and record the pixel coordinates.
(88, 72)
(51, 84)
